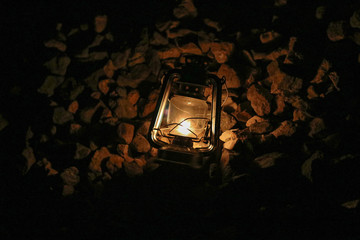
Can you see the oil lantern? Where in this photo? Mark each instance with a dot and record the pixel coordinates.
(185, 127)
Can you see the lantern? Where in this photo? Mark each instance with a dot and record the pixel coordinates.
(186, 124)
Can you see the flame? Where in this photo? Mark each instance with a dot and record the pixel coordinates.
(183, 128)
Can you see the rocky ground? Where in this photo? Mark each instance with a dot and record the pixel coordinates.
(80, 89)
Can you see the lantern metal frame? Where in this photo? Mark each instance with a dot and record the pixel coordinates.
(180, 150)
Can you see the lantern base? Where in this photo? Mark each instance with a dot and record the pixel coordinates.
(173, 155)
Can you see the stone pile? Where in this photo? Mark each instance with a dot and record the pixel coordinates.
(103, 91)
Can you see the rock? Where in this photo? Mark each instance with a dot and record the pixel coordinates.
(133, 96)
(99, 156)
(154, 62)
(162, 26)
(154, 152)
(75, 128)
(298, 103)
(144, 128)
(81, 151)
(232, 80)
(125, 110)
(100, 23)
(61, 116)
(336, 31)
(92, 81)
(272, 56)
(190, 48)
(280, 105)
(322, 71)
(48, 168)
(260, 99)
(186, 9)
(334, 78)
(356, 38)
(229, 137)
(268, 36)
(120, 59)
(280, 3)
(56, 44)
(150, 105)
(311, 92)
(70, 176)
(90, 56)
(87, 114)
(320, 12)
(292, 56)
(213, 24)
(134, 77)
(242, 116)
(205, 40)
(125, 132)
(261, 127)
(104, 86)
(123, 150)
(351, 204)
(29, 155)
(269, 159)
(299, 115)
(317, 126)
(140, 144)
(355, 19)
(96, 95)
(68, 190)
(253, 120)
(3, 123)
(306, 167)
(114, 163)
(169, 52)
(141, 162)
(287, 129)
(50, 84)
(74, 93)
(285, 84)
(73, 107)
(227, 121)
(121, 92)
(132, 169)
(109, 69)
(58, 65)
(222, 51)
(158, 39)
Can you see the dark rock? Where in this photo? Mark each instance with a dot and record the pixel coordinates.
(269, 159)
(61, 116)
(50, 84)
(125, 132)
(306, 167)
(58, 65)
(81, 151)
(140, 144)
(186, 9)
(132, 169)
(134, 77)
(125, 110)
(287, 129)
(260, 99)
(317, 126)
(96, 160)
(227, 121)
(261, 127)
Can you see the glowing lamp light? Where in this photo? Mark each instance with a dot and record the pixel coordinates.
(186, 124)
